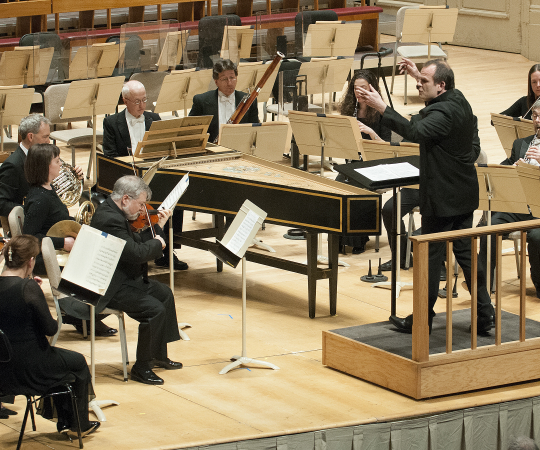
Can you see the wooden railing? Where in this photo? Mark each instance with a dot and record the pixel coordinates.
(420, 338)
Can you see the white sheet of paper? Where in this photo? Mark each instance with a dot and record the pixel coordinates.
(93, 259)
(389, 171)
(242, 233)
(172, 199)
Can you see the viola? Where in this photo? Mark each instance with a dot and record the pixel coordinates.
(141, 222)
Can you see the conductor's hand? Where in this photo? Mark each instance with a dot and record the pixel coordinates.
(406, 65)
(372, 98)
(533, 153)
(164, 215)
(78, 170)
(68, 243)
(160, 239)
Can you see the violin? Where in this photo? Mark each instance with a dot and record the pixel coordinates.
(141, 222)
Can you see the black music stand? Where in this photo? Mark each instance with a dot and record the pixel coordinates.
(383, 51)
(359, 180)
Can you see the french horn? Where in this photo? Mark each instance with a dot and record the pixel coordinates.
(69, 188)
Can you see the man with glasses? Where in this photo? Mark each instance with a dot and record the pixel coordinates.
(148, 301)
(127, 128)
(222, 102)
(521, 148)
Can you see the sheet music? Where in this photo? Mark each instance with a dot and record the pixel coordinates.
(242, 232)
(172, 199)
(384, 172)
(93, 259)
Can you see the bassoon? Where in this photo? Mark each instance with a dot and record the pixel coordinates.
(246, 102)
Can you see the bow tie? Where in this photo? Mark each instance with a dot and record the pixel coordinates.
(224, 99)
(132, 122)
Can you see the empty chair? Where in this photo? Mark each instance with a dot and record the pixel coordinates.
(211, 36)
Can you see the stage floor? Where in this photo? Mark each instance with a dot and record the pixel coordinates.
(197, 406)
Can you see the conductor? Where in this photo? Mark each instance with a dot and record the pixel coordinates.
(448, 182)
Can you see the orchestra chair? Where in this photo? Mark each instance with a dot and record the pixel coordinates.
(211, 29)
(152, 82)
(74, 307)
(16, 221)
(54, 99)
(59, 64)
(6, 353)
(411, 28)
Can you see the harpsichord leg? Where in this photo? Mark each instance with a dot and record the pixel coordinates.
(311, 242)
(333, 260)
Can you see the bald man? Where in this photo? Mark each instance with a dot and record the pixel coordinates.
(127, 128)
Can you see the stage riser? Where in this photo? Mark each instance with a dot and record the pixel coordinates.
(430, 379)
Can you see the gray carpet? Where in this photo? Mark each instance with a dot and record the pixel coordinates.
(384, 336)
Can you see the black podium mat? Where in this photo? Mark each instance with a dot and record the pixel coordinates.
(384, 336)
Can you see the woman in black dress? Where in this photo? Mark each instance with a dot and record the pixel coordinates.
(369, 122)
(43, 208)
(26, 320)
(522, 107)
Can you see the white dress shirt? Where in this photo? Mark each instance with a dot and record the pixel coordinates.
(136, 129)
(226, 107)
(23, 148)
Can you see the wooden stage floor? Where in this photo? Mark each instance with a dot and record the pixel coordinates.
(197, 406)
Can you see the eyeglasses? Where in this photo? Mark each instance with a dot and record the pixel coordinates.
(137, 201)
(227, 80)
(535, 116)
(137, 102)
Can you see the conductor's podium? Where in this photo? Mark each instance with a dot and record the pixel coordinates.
(221, 182)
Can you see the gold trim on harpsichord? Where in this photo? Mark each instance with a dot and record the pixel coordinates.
(378, 224)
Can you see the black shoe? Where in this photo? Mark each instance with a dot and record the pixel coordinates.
(164, 262)
(4, 416)
(405, 324)
(72, 433)
(145, 376)
(168, 364)
(101, 329)
(484, 325)
(358, 250)
(387, 266)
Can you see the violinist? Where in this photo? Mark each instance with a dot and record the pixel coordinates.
(149, 302)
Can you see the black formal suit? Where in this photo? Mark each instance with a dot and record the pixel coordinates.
(116, 139)
(149, 302)
(13, 184)
(207, 105)
(519, 148)
(448, 182)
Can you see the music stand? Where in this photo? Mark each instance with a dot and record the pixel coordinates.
(231, 250)
(326, 75)
(332, 38)
(333, 136)
(15, 103)
(511, 128)
(95, 61)
(268, 140)
(15, 65)
(529, 177)
(179, 87)
(249, 74)
(174, 137)
(39, 64)
(356, 179)
(173, 50)
(88, 98)
(237, 42)
(500, 189)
